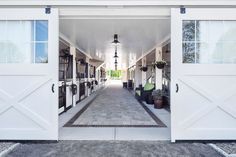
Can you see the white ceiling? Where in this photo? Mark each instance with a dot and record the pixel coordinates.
(94, 36)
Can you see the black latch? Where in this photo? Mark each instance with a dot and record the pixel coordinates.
(182, 10)
(48, 10)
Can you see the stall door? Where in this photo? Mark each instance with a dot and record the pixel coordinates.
(203, 98)
(28, 74)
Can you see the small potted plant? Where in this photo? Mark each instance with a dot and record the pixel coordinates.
(158, 97)
(88, 84)
(160, 64)
(82, 61)
(144, 68)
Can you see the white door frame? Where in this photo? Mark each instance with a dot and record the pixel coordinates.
(39, 125)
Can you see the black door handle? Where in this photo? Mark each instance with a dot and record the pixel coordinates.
(177, 88)
(53, 87)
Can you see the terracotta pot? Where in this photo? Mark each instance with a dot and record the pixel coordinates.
(158, 103)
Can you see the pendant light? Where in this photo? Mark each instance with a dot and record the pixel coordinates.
(116, 64)
(116, 56)
(116, 41)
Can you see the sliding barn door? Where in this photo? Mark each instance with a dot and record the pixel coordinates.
(203, 97)
(28, 74)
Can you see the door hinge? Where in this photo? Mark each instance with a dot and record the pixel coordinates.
(182, 10)
(48, 10)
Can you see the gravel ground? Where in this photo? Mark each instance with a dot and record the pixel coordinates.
(5, 145)
(113, 149)
(228, 147)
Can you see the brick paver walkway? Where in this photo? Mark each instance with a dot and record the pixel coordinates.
(115, 106)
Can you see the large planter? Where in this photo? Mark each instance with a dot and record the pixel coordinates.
(158, 100)
(158, 103)
(149, 99)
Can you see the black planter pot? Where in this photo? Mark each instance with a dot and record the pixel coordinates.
(160, 66)
(144, 69)
(88, 84)
(82, 62)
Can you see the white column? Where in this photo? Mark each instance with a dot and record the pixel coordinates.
(144, 74)
(127, 73)
(88, 79)
(137, 76)
(97, 77)
(158, 72)
(73, 52)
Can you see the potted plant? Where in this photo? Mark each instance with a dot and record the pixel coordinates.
(158, 97)
(81, 61)
(88, 84)
(160, 64)
(144, 68)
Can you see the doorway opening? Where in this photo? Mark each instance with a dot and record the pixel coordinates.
(106, 107)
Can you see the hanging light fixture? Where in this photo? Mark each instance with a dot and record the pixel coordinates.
(116, 41)
(116, 62)
(116, 56)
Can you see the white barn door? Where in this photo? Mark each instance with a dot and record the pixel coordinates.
(203, 96)
(28, 74)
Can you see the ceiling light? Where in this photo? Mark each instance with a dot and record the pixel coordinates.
(116, 56)
(116, 41)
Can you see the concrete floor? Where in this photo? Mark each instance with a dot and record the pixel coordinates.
(113, 149)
